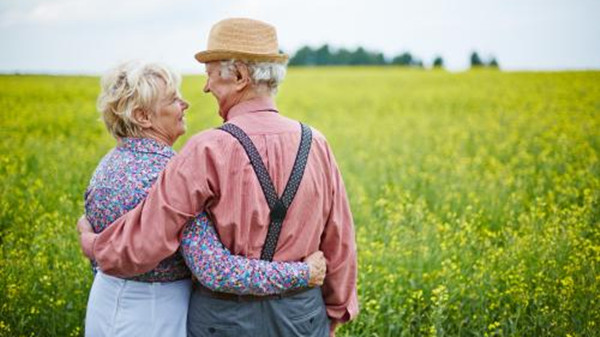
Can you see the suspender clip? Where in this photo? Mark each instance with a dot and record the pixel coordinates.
(278, 211)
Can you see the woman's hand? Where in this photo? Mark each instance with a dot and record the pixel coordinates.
(86, 237)
(317, 266)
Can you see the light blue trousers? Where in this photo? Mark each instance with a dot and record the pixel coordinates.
(124, 308)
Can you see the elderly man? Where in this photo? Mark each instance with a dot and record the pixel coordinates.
(272, 187)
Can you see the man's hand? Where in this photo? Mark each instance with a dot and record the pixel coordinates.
(317, 268)
(86, 237)
(332, 325)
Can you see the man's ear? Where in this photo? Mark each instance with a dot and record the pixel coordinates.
(142, 118)
(242, 76)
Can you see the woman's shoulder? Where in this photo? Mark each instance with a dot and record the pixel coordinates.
(124, 165)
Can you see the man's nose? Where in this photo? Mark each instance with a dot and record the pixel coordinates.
(206, 89)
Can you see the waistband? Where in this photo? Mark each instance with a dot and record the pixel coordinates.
(245, 298)
(135, 283)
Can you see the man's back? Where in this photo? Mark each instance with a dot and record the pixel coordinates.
(239, 208)
(319, 217)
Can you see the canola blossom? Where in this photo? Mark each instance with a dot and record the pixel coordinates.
(476, 196)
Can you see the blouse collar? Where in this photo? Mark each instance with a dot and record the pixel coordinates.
(146, 145)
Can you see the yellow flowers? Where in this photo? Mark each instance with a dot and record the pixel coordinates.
(476, 196)
(4, 329)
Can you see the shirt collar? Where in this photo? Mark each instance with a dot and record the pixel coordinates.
(146, 145)
(263, 103)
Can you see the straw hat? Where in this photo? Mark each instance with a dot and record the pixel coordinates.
(243, 39)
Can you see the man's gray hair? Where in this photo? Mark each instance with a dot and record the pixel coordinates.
(267, 75)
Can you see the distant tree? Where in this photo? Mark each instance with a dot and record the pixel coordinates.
(494, 63)
(323, 55)
(476, 60)
(304, 56)
(405, 59)
(343, 57)
(360, 56)
(379, 59)
(438, 62)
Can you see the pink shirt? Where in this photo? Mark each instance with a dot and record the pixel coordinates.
(212, 172)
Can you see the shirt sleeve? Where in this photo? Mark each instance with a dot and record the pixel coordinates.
(137, 242)
(104, 205)
(217, 269)
(339, 247)
(100, 207)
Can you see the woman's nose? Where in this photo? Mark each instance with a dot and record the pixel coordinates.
(184, 104)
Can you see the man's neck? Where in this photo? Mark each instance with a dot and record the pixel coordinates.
(257, 103)
(254, 94)
(250, 99)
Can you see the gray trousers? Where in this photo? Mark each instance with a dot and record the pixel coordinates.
(302, 314)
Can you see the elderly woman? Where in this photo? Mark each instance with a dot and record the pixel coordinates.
(142, 108)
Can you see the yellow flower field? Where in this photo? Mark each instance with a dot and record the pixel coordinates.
(476, 196)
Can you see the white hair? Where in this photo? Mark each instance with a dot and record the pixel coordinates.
(267, 75)
(129, 86)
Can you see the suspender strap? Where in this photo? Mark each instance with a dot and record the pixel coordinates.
(278, 206)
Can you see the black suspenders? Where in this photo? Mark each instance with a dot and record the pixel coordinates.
(278, 206)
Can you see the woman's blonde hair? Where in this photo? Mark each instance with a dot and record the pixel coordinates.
(129, 86)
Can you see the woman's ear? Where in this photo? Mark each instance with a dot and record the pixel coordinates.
(242, 76)
(142, 118)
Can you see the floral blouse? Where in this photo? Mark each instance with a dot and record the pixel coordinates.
(123, 179)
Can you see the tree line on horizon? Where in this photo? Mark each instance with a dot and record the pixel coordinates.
(325, 56)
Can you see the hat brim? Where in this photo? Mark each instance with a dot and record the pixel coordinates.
(221, 55)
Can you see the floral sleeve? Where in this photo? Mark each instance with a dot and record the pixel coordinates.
(217, 269)
(102, 206)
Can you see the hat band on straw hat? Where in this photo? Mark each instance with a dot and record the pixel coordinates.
(220, 55)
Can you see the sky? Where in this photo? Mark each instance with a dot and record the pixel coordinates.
(90, 36)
